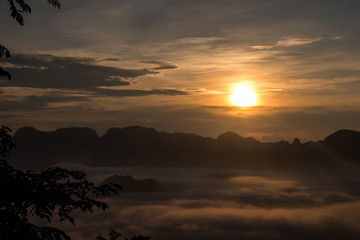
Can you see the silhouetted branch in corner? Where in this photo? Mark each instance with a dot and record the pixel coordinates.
(17, 9)
(55, 192)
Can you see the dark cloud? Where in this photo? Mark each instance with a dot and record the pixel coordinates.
(138, 92)
(163, 21)
(111, 59)
(47, 71)
(197, 19)
(32, 103)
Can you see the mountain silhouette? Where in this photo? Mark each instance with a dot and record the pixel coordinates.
(345, 143)
(37, 148)
(140, 146)
(130, 184)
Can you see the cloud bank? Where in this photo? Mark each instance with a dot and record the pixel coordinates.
(246, 207)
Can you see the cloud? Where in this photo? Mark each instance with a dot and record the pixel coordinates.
(209, 40)
(133, 22)
(170, 222)
(14, 99)
(261, 47)
(137, 92)
(68, 73)
(331, 73)
(199, 40)
(337, 37)
(336, 87)
(162, 65)
(291, 42)
(83, 100)
(248, 208)
(111, 59)
(33, 103)
(288, 42)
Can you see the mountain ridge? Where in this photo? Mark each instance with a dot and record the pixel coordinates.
(136, 145)
(131, 184)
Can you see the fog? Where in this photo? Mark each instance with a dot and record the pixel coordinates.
(205, 203)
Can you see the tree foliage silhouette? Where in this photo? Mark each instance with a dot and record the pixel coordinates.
(4, 51)
(17, 10)
(20, 7)
(55, 192)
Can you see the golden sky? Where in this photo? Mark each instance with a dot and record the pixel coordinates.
(173, 65)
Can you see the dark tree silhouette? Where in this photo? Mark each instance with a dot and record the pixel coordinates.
(17, 9)
(55, 192)
(4, 51)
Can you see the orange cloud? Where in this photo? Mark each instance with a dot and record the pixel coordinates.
(261, 47)
(290, 42)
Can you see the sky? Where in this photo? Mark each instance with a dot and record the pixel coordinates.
(173, 65)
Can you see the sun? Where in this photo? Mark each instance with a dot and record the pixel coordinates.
(243, 96)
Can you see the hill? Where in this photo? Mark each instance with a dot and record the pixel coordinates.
(130, 184)
(135, 146)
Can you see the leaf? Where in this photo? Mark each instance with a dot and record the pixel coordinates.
(55, 3)
(4, 73)
(24, 6)
(15, 13)
(4, 50)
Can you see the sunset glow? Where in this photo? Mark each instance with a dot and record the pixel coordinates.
(243, 96)
(184, 119)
